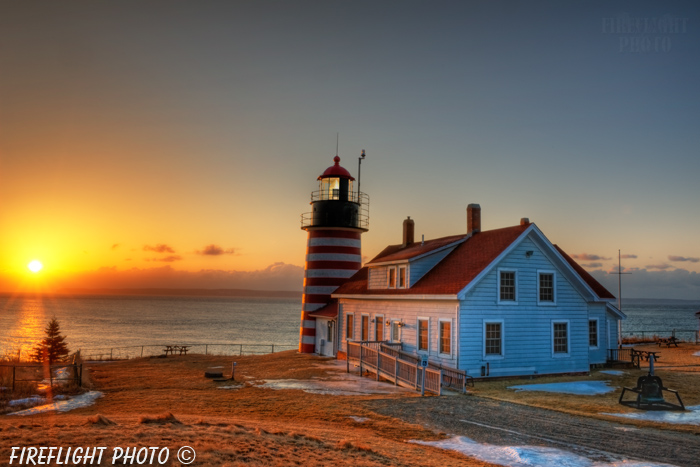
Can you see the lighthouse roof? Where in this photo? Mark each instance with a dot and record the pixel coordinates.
(336, 171)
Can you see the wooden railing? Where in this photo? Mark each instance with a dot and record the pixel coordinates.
(387, 361)
(624, 354)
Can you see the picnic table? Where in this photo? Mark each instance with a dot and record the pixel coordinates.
(668, 341)
(172, 349)
(645, 354)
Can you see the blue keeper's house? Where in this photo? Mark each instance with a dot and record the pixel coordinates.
(502, 302)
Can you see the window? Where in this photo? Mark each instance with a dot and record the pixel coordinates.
(379, 328)
(507, 286)
(446, 337)
(593, 333)
(402, 277)
(560, 335)
(392, 277)
(546, 281)
(493, 339)
(395, 331)
(350, 326)
(423, 342)
(365, 327)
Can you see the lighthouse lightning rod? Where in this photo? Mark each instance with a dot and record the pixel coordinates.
(359, 166)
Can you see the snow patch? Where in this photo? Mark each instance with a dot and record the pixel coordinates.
(346, 385)
(613, 372)
(696, 354)
(78, 402)
(690, 417)
(525, 456)
(359, 419)
(580, 388)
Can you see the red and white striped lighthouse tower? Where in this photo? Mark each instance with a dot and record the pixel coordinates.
(338, 217)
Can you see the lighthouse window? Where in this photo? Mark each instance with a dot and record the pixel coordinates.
(392, 277)
(330, 188)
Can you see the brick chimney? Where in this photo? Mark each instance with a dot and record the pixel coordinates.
(473, 219)
(408, 231)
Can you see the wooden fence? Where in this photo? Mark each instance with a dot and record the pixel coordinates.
(38, 372)
(151, 350)
(388, 361)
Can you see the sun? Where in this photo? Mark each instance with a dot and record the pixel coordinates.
(35, 266)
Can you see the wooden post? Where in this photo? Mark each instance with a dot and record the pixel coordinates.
(417, 368)
(206, 349)
(240, 350)
(141, 351)
(273, 348)
(396, 371)
(422, 383)
(13, 378)
(440, 384)
(110, 353)
(379, 361)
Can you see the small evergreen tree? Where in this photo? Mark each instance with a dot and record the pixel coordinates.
(52, 348)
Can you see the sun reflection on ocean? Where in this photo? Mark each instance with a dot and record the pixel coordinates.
(27, 327)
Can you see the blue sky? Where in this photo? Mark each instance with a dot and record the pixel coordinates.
(138, 123)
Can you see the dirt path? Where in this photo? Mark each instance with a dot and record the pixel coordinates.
(503, 423)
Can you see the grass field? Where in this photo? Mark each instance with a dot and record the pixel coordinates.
(167, 402)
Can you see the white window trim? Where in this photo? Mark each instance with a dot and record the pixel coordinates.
(498, 290)
(440, 321)
(405, 277)
(597, 333)
(368, 326)
(388, 277)
(352, 330)
(421, 318)
(503, 340)
(376, 326)
(554, 287)
(568, 338)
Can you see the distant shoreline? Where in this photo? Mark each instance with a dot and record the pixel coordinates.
(164, 292)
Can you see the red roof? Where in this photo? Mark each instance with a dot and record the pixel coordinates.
(597, 287)
(452, 274)
(397, 253)
(336, 171)
(458, 269)
(327, 311)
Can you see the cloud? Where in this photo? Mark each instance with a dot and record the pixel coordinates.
(277, 276)
(682, 258)
(592, 265)
(115, 246)
(587, 257)
(661, 267)
(160, 248)
(628, 256)
(644, 283)
(168, 259)
(215, 250)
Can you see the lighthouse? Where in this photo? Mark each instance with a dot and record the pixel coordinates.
(339, 215)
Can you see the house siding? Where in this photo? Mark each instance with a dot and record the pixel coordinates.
(599, 354)
(527, 326)
(408, 311)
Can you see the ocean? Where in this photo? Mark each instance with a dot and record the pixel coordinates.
(120, 325)
(100, 325)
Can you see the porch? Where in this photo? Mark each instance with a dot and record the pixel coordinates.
(387, 361)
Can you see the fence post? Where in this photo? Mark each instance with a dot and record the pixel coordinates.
(141, 351)
(206, 349)
(396, 371)
(273, 348)
(440, 383)
(240, 350)
(379, 363)
(13, 378)
(110, 353)
(417, 370)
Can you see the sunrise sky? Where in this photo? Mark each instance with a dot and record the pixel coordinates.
(176, 143)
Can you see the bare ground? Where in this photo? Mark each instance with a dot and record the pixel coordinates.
(168, 402)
